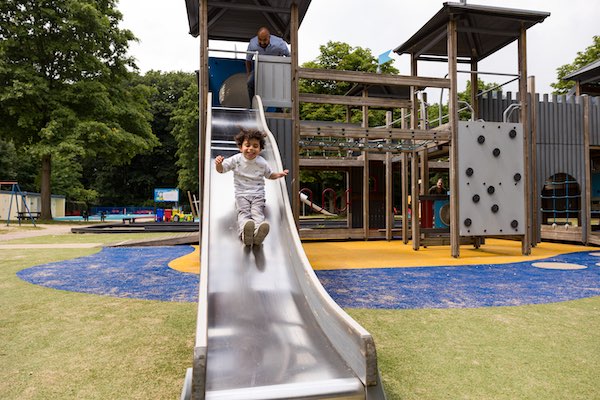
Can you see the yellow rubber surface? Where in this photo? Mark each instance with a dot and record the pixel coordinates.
(189, 263)
(382, 254)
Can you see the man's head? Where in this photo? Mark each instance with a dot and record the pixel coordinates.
(264, 37)
(440, 183)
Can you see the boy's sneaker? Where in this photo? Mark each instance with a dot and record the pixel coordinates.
(248, 233)
(261, 233)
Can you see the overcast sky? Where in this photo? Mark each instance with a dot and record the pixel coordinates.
(380, 25)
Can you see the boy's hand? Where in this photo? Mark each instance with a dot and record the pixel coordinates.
(219, 163)
(277, 175)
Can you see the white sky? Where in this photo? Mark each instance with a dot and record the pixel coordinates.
(380, 25)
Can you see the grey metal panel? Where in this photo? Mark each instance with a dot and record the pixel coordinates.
(492, 179)
(274, 80)
(282, 131)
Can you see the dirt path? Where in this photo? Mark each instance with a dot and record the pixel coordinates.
(25, 231)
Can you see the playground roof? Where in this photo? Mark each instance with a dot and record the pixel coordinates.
(587, 74)
(240, 20)
(482, 30)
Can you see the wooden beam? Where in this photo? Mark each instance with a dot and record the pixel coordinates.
(453, 123)
(414, 165)
(200, 356)
(404, 177)
(371, 78)
(339, 163)
(202, 97)
(366, 173)
(295, 109)
(587, 233)
(535, 236)
(474, 89)
(389, 211)
(249, 7)
(307, 129)
(486, 31)
(414, 201)
(378, 102)
(524, 115)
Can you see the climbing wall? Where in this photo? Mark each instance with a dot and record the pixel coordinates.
(491, 178)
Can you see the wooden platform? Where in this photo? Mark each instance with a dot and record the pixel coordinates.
(566, 233)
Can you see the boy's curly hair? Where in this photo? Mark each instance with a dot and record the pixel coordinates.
(247, 134)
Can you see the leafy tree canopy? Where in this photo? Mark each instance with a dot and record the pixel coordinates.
(340, 56)
(64, 85)
(583, 58)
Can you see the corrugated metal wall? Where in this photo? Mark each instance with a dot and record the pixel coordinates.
(559, 136)
(282, 131)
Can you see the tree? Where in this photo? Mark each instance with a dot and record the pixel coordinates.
(134, 183)
(64, 85)
(185, 131)
(591, 54)
(340, 56)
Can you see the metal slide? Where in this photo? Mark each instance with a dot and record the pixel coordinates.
(266, 327)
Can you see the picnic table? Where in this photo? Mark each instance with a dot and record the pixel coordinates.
(24, 215)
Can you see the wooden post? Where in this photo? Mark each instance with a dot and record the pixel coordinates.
(414, 170)
(588, 169)
(389, 206)
(453, 124)
(404, 177)
(199, 364)
(415, 220)
(202, 99)
(365, 154)
(474, 89)
(535, 230)
(294, 23)
(522, 46)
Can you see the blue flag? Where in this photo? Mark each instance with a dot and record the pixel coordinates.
(385, 57)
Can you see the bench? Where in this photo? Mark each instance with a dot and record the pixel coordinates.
(129, 220)
(23, 215)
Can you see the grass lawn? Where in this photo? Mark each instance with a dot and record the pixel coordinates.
(66, 345)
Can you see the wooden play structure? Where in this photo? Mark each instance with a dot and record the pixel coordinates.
(459, 33)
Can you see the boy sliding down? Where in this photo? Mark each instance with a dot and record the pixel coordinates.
(249, 170)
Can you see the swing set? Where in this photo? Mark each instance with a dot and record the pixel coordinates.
(23, 211)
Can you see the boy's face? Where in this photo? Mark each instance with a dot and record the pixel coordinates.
(250, 149)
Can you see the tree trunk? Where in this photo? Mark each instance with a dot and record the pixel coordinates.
(46, 191)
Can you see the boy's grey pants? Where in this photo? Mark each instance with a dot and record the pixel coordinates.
(249, 207)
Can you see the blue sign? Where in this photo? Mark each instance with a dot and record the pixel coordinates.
(162, 195)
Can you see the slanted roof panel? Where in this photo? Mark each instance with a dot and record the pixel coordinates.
(587, 74)
(239, 20)
(482, 30)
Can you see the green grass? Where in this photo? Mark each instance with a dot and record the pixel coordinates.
(65, 345)
(549, 351)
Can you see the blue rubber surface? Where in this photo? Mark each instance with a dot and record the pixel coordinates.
(131, 272)
(143, 273)
(465, 286)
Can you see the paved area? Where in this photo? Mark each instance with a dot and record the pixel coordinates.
(15, 231)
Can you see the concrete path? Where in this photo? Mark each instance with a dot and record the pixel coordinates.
(13, 232)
